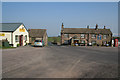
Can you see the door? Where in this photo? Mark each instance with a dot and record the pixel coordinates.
(21, 40)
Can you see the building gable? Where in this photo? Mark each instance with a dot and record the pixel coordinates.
(21, 29)
(39, 33)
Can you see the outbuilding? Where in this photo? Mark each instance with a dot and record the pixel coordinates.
(37, 34)
(15, 33)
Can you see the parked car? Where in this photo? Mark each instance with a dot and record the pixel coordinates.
(39, 43)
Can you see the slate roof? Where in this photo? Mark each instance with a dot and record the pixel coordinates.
(86, 30)
(9, 26)
(39, 33)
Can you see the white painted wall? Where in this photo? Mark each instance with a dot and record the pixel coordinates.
(17, 32)
(7, 36)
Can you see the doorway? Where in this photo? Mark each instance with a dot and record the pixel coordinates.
(76, 41)
(21, 40)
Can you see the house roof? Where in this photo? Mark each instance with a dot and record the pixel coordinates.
(9, 26)
(86, 30)
(39, 33)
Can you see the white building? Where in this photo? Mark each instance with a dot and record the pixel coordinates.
(15, 33)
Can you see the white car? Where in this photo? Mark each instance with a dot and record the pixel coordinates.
(39, 43)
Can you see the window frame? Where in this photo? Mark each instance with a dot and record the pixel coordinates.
(82, 36)
(83, 41)
(66, 35)
(66, 41)
(104, 36)
(25, 37)
(16, 38)
(93, 37)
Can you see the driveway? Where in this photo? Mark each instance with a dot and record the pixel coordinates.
(60, 62)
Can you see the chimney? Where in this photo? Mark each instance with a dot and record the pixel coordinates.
(104, 27)
(88, 27)
(96, 27)
(62, 26)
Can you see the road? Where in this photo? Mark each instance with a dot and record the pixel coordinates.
(60, 62)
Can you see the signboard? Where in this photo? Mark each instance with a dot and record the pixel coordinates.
(2, 34)
(22, 29)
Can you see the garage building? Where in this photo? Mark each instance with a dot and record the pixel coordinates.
(37, 34)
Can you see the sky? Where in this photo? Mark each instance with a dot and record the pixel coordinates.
(51, 15)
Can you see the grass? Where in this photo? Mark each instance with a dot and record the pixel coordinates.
(7, 47)
(54, 39)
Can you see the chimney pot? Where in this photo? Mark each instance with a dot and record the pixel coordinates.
(96, 26)
(62, 26)
(88, 26)
(104, 27)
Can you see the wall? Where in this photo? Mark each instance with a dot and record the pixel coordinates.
(87, 38)
(45, 38)
(7, 35)
(18, 32)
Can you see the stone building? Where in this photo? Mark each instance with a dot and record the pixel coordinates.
(37, 34)
(86, 36)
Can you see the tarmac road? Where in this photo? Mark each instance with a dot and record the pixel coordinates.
(60, 62)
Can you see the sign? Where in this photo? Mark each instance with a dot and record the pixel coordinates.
(2, 34)
(22, 29)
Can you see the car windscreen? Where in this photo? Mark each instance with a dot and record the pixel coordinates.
(37, 40)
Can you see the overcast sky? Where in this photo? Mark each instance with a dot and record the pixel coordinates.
(50, 15)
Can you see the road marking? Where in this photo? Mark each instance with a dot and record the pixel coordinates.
(74, 65)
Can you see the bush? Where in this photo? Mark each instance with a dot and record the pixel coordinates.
(94, 44)
(5, 43)
(18, 45)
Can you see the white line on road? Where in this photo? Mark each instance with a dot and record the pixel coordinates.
(74, 65)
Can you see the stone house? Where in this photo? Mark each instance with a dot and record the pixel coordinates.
(37, 34)
(86, 36)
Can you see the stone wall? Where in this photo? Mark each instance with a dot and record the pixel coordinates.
(88, 38)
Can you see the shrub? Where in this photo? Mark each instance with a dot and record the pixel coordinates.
(18, 45)
(94, 44)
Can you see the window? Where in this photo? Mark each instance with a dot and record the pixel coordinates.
(93, 36)
(16, 38)
(66, 42)
(104, 36)
(82, 35)
(66, 35)
(26, 37)
(38, 40)
(82, 41)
